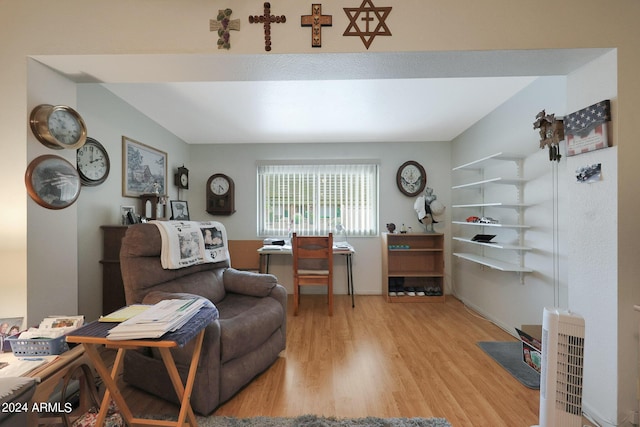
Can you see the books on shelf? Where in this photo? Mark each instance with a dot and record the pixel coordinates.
(165, 316)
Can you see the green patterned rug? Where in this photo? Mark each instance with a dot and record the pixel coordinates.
(315, 421)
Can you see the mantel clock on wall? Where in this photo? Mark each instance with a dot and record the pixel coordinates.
(220, 195)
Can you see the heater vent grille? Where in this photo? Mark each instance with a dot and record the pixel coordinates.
(569, 368)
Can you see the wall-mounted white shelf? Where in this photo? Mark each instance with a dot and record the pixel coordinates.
(492, 205)
(493, 263)
(518, 181)
(496, 245)
(497, 180)
(481, 163)
(499, 225)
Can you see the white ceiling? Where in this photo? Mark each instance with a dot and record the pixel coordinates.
(371, 97)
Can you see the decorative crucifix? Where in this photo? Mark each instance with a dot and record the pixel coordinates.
(316, 21)
(222, 24)
(267, 19)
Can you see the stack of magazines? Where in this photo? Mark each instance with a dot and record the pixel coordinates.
(165, 316)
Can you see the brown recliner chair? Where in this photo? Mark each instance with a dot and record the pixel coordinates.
(246, 339)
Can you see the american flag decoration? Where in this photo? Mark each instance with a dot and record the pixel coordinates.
(586, 129)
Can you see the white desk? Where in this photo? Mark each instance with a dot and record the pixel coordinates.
(339, 248)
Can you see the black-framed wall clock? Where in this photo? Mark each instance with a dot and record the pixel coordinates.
(181, 178)
(52, 182)
(92, 161)
(220, 195)
(58, 126)
(411, 178)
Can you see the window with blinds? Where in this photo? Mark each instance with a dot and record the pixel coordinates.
(316, 199)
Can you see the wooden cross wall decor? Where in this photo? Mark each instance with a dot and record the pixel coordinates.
(222, 24)
(316, 21)
(267, 19)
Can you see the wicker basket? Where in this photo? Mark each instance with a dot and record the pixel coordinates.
(38, 346)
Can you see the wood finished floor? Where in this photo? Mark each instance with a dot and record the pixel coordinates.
(381, 359)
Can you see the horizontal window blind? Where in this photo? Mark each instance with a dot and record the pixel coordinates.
(315, 199)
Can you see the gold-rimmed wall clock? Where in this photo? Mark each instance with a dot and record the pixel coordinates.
(220, 195)
(411, 178)
(58, 126)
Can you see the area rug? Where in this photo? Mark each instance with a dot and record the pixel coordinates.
(509, 356)
(316, 421)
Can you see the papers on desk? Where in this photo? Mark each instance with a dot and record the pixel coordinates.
(125, 313)
(157, 320)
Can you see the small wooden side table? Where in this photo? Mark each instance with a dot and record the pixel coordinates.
(94, 334)
(50, 375)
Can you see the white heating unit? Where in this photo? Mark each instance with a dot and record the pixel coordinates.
(562, 364)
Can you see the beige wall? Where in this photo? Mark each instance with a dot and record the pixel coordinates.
(78, 27)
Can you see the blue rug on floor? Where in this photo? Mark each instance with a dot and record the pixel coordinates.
(509, 356)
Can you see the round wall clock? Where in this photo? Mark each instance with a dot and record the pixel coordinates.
(52, 182)
(58, 126)
(411, 178)
(220, 195)
(93, 163)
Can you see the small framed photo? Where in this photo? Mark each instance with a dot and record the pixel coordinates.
(126, 213)
(9, 327)
(179, 210)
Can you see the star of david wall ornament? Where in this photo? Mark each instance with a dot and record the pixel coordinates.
(367, 22)
(316, 21)
(267, 19)
(222, 24)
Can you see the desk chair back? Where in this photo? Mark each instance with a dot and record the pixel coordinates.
(312, 265)
(244, 254)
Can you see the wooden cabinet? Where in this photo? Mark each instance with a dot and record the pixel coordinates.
(413, 267)
(112, 287)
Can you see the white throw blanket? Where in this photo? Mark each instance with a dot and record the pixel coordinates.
(186, 243)
(9, 385)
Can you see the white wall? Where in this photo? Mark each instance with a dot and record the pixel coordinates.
(108, 118)
(593, 252)
(575, 263)
(501, 296)
(239, 162)
(51, 242)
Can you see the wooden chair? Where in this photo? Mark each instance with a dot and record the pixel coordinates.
(312, 265)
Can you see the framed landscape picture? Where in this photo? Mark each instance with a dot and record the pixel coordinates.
(144, 169)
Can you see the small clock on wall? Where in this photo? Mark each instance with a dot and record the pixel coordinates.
(92, 161)
(181, 178)
(220, 195)
(58, 126)
(411, 178)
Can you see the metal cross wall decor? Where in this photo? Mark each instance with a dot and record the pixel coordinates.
(316, 21)
(372, 17)
(222, 24)
(267, 19)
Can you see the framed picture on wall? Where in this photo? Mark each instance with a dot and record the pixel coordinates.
(179, 210)
(144, 169)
